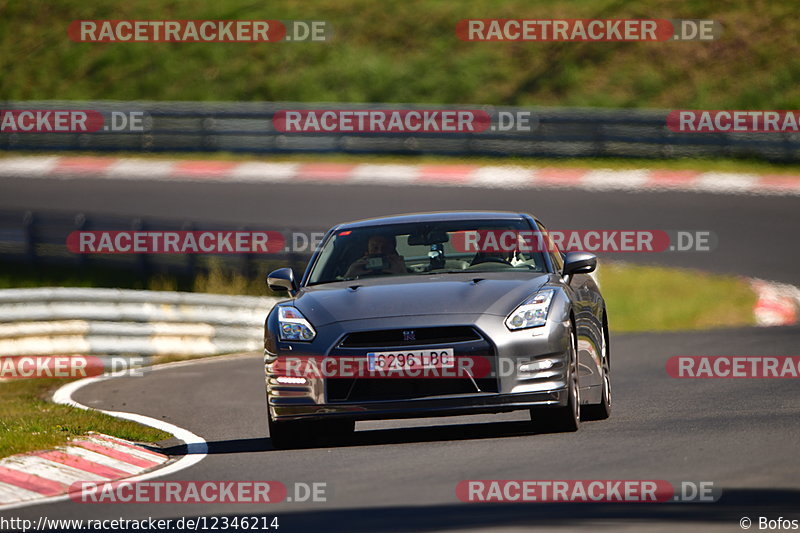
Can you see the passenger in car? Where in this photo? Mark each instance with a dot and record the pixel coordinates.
(380, 257)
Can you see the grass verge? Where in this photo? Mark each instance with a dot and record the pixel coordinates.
(29, 421)
(650, 298)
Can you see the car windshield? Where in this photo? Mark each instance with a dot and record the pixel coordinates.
(418, 249)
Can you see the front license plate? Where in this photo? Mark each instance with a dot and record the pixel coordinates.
(411, 359)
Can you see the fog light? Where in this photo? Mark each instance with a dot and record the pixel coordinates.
(287, 380)
(536, 366)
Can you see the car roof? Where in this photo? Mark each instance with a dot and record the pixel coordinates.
(442, 216)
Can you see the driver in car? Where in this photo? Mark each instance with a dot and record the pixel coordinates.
(380, 257)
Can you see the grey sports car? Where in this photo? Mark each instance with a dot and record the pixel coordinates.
(435, 314)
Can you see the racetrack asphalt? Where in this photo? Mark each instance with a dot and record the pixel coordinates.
(755, 234)
(401, 475)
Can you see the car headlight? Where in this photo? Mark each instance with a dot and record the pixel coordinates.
(532, 312)
(293, 326)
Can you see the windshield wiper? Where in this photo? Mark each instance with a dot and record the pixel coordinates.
(477, 271)
(429, 273)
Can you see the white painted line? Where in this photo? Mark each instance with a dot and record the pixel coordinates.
(726, 182)
(29, 167)
(615, 179)
(398, 174)
(196, 446)
(263, 172)
(99, 458)
(139, 169)
(125, 449)
(383, 174)
(502, 177)
(38, 466)
(12, 493)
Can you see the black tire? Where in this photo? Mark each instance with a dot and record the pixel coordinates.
(567, 418)
(335, 432)
(602, 410)
(292, 434)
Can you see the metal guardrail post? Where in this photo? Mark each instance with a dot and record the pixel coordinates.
(143, 259)
(191, 259)
(29, 224)
(81, 224)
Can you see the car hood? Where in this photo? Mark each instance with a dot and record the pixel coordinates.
(446, 294)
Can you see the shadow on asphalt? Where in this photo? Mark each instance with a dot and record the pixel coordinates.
(732, 506)
(372, 437)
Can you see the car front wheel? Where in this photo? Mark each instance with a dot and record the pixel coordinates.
(602, 410)
(568, 417)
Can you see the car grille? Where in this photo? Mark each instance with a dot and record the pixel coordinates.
(465, 340)
(401, 337)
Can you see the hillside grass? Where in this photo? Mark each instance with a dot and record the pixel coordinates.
(408, 52)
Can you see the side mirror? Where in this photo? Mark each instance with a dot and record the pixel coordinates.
(579, 263)
(282, 280)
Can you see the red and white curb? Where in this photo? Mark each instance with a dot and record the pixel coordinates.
(96, 457)
(44, 477)
(778, 304)
(449, 175)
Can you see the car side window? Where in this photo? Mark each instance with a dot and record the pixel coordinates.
(555, 253)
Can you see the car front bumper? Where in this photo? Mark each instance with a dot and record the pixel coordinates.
(507, 350)
(479, 403)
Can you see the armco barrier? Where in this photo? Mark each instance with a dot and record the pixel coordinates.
(247, 127)
(48, 321)
(40, 239)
